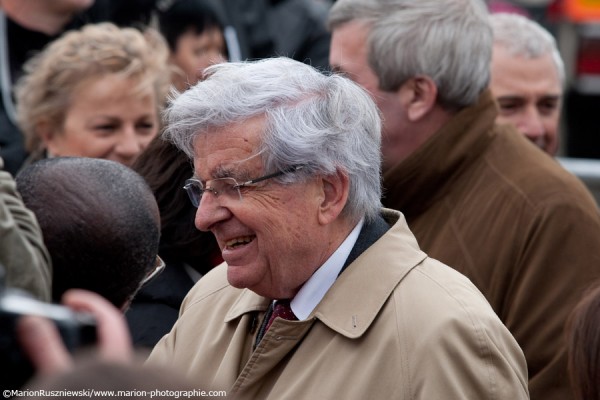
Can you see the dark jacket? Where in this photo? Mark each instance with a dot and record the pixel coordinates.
(269, 28)
(484, 200)
(155, 307)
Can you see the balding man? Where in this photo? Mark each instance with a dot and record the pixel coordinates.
(100, 224)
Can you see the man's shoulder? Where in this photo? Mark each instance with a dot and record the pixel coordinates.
(435, 304)
(215, 281)
(395, 267)
(517, 169)
(437, 308)
(443, 286)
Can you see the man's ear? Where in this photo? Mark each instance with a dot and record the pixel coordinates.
(418, 95)
(335, 188)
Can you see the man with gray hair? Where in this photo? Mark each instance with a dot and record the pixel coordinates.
(478, 196)
(527, 79)
(323, 294)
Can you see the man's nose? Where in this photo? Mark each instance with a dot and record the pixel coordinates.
(210, 211)
(532, 125)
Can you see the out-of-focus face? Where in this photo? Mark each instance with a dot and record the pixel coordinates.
(108, 118)
(348, 55)
(529, 94)
(194, 52)
(271, 239)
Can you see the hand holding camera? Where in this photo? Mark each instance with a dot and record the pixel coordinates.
(41, 337)
(113, 342)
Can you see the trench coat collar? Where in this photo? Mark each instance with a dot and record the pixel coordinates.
(355, 299)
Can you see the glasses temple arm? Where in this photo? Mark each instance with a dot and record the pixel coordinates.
(291, 169)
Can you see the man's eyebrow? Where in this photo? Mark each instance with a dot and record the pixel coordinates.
(553, 97)
(510, 98)
(223, 172)
(219, 172)
(230, 172)
(233, 169)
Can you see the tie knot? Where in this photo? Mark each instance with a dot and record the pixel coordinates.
(282, 309)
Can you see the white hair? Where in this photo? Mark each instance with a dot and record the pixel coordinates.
(324, 122)
(524, 37)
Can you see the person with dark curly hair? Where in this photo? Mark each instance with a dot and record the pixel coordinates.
(100, 225)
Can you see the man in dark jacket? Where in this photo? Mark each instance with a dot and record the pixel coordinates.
(477, 196)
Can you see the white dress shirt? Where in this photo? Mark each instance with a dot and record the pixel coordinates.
(313, 291)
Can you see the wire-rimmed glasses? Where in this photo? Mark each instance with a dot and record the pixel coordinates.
(159, 266)
(227, 187)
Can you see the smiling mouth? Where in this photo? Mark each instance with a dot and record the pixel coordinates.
(239, 241)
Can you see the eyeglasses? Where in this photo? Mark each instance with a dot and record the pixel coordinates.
(227, 187)
(159, 266)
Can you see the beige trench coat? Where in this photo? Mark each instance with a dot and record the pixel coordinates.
(395, 325)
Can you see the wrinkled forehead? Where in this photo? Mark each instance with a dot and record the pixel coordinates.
(231, 148)
(510, 73)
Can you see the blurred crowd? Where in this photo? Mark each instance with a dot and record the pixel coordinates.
(293, 199)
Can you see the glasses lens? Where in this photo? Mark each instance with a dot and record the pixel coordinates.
(226, 187)
(194, 190)
(159, 266)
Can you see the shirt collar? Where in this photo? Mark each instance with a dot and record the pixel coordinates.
(313, 291)
(377, 271)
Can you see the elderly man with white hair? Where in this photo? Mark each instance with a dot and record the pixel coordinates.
(323, 294)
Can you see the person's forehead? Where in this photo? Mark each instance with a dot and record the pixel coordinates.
(209, 36)
(504, 59)
(517, 73)
(349, 54)
(349, 45)
(102, 88)
(232, 147)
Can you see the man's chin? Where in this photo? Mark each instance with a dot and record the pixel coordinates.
(238, 276)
